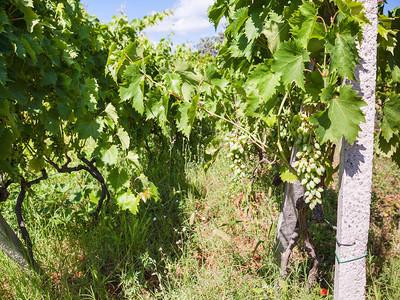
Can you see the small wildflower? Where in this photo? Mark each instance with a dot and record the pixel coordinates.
(323, 292)
(155, 218)
(203, 218)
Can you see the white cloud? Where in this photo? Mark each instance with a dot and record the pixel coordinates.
(189, 16)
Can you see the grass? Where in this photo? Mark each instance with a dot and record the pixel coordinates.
(206, 239)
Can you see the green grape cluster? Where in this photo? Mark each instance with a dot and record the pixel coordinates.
(309, 163)
(238, 150)
(289, 122)
(17, 162)
(57, 146)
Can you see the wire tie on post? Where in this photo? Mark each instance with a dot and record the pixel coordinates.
(349, 260)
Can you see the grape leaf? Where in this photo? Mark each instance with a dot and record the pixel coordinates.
(112, 113)
(276, 31)
(149, 186)
(396, 156)
(303, 22)
(110, 156)
(30, 17)
(7, 139)
(51, 121)
(253, 27)
(173, 82)
(49, 77)
(242, 47)
(124, 138)
(157, 108)
(265, 80)
(353, 9)
(386, 131)
(387, 147)
(342, 117)
(344, 55)
(289, 63)
(217, 11)
(118, 178)
(391, 112)
(3, 20)
(29, 50)
(287, 176)
(252, 101)
(239, 18)
(315, 84)
(89, 128)
(3, 71)
(186, 116)
(129, 201)
(134, 158)
(132, 87)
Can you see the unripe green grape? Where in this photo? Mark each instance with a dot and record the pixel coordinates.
(317, 180)
(320, 172)
(312, 205)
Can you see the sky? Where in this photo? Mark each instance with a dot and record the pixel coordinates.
(189, 22)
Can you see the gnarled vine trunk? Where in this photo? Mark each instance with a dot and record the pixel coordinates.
(11, 244)
(289, 215)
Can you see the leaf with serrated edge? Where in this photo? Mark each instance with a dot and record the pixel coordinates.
(118, 178)
(129, 201)
(289, 63)
(124, 138)
(112, 113)
(303, 22)
(132, 87)
(343, 53)
(134, 158)
(276, 31)
(391, 112)
(253, 27)
(110, 156)
(265, 80)
(287, 176)
(342, 117)
(186, 116)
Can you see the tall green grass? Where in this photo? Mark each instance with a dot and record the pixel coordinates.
(209, 238)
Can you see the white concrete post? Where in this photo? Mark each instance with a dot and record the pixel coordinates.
(356, 177)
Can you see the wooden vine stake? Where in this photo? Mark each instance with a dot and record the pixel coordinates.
(356, 176)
